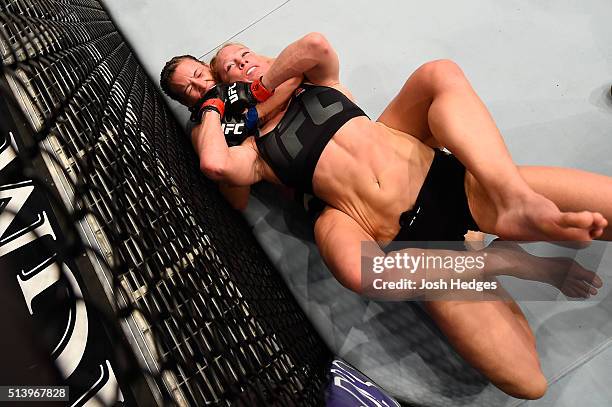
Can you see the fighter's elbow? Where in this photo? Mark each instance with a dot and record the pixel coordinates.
(213, 169)
(317, 43)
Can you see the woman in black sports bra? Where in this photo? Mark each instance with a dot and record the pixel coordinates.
(382, 180)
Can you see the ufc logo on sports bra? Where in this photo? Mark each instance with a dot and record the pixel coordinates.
(317, 112)
(231, 91)
(235, 128)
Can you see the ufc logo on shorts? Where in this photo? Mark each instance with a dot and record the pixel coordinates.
(235, 128)
(233, 96)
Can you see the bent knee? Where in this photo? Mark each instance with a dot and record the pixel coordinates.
(441, 73)
(530, 387)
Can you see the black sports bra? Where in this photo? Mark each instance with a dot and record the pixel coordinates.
(293, 147)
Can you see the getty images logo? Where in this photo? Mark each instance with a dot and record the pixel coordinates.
(233, 95)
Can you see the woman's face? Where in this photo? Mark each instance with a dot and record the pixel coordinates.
(238, 63)
(191, 79)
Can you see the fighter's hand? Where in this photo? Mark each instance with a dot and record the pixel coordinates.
(235, 130)
(214, 100)
(242, 95)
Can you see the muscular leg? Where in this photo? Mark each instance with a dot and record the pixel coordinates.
(569, 189)
(437, 101)
(490, 322)
(573, 190)
(495, 338)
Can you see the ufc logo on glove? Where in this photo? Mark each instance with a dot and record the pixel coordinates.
(231, 91)
(232, 128)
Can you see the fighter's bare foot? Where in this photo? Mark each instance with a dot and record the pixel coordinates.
(564, 273)
(532, 217)
(569, 277)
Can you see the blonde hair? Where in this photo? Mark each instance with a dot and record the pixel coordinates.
(216, 71)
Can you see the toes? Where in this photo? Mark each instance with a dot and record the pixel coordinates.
(596, 233)
(600, 221)
(599, 224)
(575, 234)
(588, 290)
(581, 275)
(574, 291)
(579, 289)
(581, 226)
(594, 222)
(596, 282)
(579, 220)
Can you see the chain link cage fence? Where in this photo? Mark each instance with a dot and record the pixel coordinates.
(192, 311)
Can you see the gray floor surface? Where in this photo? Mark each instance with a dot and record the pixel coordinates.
(544, 69)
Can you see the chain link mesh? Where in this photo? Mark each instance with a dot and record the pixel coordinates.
(220, 324)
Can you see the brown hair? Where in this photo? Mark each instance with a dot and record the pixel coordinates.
(167, 72)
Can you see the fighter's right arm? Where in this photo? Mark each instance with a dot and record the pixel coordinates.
(236, 166)
(311, 56)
